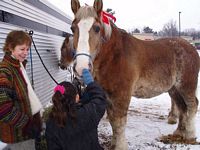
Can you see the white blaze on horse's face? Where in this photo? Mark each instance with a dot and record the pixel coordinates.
(83, 44)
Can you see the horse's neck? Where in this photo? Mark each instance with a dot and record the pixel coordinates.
(112, 40)
(115, 42)
(111, 46)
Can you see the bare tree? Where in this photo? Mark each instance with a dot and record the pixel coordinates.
(136, 30)
(169, 29)
(192, 32)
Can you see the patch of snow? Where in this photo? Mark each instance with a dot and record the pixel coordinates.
(147, 121)
(2, 145)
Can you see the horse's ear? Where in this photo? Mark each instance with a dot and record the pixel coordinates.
(98, 6)
(75, 5)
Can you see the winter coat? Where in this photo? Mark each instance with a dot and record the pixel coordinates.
(83, 134)
(16, 120)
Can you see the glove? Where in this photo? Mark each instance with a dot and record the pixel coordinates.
(87, 77)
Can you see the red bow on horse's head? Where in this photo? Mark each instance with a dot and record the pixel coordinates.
(106, 17)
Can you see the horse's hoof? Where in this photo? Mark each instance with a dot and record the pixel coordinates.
(179, 133)
(172, 120)
(167, 139)
(177, 139)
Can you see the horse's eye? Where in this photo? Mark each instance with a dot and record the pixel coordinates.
(96, 28)
(73, 53)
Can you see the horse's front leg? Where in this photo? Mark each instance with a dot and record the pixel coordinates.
(117, 115)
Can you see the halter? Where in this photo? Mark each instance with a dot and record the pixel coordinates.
(90, 63)
(79, 54)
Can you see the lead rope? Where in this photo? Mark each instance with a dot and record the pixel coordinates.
(70, 70)
(31, 58)
(31, 34)
(75, 81)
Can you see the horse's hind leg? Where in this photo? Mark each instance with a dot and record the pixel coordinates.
(187, 103)
(173, 114)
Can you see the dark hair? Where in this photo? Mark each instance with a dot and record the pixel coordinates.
(64, 105)
(14, 38)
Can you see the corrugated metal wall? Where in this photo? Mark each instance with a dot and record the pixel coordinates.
(47, 44)
(25, 10)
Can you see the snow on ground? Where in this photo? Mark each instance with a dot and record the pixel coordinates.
(147, 121)
(2, 145)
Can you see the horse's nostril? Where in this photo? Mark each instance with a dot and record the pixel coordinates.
(62, 66)
(90, 66)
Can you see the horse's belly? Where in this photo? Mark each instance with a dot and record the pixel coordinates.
(146, 93)
(154, 83)
(149, 91)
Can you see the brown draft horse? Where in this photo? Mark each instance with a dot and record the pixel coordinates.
(126, 66)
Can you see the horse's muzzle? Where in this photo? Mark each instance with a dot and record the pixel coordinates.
(78, 75)
(62, 66)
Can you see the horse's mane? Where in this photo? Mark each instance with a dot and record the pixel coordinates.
(89, 11)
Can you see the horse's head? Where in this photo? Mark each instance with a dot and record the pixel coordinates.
(88, 31)
(67, 52)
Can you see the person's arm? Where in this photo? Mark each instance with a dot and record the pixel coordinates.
(97, 97)
(93, 90)
(84, 99)
(91, 113)
(8, 112)
(87, 79)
